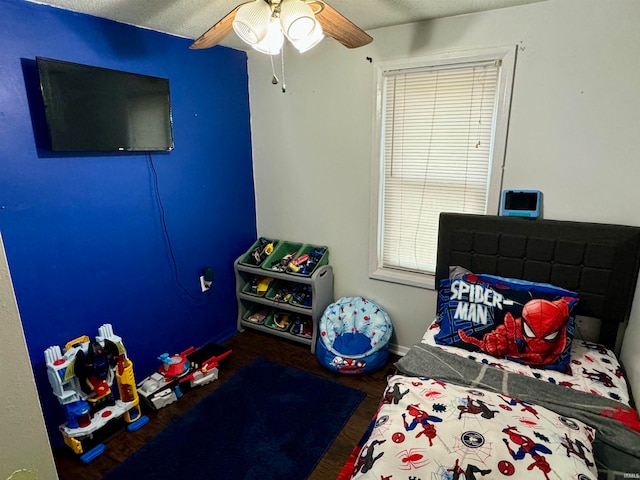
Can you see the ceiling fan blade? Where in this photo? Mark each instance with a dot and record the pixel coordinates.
(342, 29)
(215, 34)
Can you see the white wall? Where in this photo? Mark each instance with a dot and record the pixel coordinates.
(573, 133)
(25, 452)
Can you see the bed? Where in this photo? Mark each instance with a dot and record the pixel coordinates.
(489, 409)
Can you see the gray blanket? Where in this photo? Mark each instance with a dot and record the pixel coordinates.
(616, 447)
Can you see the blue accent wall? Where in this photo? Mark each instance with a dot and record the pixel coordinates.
(122, 239)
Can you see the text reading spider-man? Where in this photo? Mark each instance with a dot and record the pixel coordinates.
(507, 318)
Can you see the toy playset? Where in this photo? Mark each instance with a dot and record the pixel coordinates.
(82, 378)
(180, 373)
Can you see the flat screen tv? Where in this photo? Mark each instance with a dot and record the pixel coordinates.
(94, 109)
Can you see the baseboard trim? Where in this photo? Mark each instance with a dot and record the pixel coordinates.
(398, 349)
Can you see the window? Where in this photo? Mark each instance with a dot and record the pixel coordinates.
(442, 129)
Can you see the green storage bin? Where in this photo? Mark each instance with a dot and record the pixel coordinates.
(264, 314)
(280, 321)
(282, 250)
(301, 326)
(256, 279)
(307, 249)
(248, 259)
(301, 296)
(276, 290)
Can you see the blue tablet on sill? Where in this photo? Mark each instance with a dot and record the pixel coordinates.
(521, 203)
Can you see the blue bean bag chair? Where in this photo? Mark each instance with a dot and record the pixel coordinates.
(353, 336)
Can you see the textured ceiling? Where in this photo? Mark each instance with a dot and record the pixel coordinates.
(191, 18)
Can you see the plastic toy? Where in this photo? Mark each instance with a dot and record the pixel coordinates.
(258, 285)
(281, 264)
(304, 264)
(180, 373)
(263, 285)
(261, 251)
(282, 293)
(281, 320)
(82, 379)
(259, 317)
(301, 295)
(302, 326)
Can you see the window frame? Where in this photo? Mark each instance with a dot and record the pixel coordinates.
(507, 56)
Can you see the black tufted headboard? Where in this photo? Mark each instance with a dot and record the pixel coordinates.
(599, 261)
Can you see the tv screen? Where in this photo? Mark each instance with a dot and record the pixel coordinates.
(93, 109)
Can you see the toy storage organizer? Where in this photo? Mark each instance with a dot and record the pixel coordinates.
(261, 306)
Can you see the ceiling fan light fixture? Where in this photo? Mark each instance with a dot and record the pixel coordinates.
(297, 19)
(244, 19)
(309, 42)
(252, 21)
(272, 43)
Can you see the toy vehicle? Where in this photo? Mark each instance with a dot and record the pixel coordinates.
(302, 326)
(305, 263)
(180, 373)
(263, 285)
(281, 264)
(261, 251)
(279, 321)
(260, 285)
(82, 378)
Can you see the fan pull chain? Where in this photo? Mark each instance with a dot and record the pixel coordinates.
(274, 79)
(284, 82)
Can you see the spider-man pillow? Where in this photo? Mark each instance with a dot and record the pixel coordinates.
(523, 321)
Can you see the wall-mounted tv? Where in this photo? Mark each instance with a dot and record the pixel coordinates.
(94, 109)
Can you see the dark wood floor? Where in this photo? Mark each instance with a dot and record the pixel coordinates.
(246, 346)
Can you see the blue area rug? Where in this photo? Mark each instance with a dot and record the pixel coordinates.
(268, 421)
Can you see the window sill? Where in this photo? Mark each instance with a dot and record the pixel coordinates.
(403, 277)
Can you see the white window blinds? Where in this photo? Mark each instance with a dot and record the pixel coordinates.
(437, 130)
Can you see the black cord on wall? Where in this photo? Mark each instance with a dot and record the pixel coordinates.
(163, 221)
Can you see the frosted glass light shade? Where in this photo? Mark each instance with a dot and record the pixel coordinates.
(272, 43)
(311, 41)
(297, 19)
(252, 21)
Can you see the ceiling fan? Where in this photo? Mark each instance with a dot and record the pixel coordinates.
(264, 24)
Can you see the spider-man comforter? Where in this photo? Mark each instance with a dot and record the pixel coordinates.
(451, 418)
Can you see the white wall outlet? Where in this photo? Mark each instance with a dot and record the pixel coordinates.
(204, 285)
